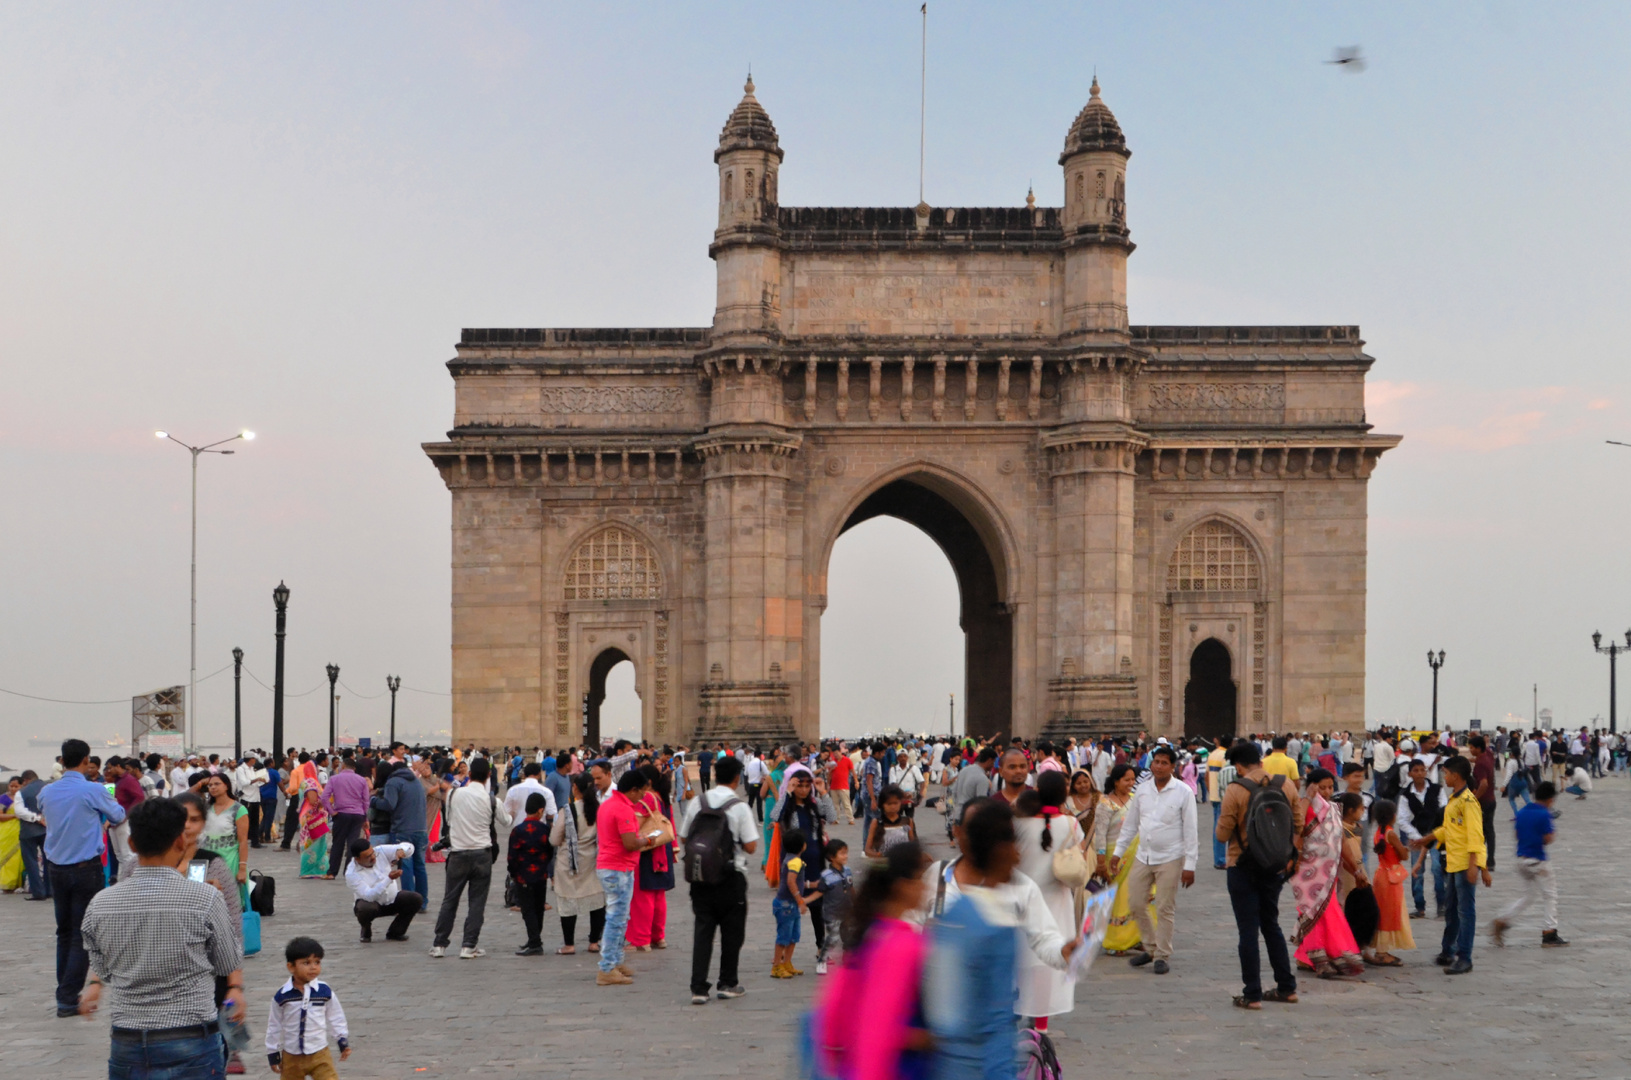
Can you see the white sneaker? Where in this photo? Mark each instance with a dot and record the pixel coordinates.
(470, 954)
(821, 967)
(437, 951)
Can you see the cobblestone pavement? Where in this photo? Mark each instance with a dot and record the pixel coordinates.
(1523, 1012)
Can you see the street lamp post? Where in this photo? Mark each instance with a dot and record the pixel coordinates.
(1614, 650)
(393, 683)
(280, 599)
(237, 704)
(333, 702)
(192, 666)
(1435, 663)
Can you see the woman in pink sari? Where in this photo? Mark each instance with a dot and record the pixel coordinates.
(1325, 943)
(869, 1023)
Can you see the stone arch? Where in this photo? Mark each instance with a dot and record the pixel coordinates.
(980, 511)
(1215, 555)
(1211, 692)
(977, 541)
(613, 561)
(599, 668)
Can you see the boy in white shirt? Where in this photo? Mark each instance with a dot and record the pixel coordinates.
(304, 1013)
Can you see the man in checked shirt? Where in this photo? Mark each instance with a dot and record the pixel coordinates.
(160, 940)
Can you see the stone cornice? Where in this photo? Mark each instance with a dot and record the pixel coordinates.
(584, 461)
(1269, 457)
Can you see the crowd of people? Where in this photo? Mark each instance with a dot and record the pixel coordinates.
(1361, 829)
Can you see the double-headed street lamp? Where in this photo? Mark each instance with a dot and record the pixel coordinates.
(1435, 664)
(1614, 650)
(333, 702)
(192, 667)
(393, 683)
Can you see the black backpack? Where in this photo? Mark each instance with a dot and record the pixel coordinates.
(1269, 828)
(262, 893)
(709, 846)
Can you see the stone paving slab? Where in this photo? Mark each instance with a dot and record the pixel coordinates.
(1523, 1012)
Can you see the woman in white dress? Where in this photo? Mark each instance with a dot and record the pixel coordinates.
(1044, 829)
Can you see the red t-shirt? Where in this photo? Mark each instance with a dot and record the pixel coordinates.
(615, 817)
(840, 773)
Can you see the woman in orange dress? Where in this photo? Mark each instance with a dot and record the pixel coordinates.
(1392, 871)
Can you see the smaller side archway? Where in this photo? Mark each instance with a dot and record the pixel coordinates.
(1211, 695)
(599, 669)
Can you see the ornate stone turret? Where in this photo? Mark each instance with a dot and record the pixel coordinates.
(744, 247)
(1096, 239)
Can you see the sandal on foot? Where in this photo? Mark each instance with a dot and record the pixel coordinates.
(1243, 1002)
(566, 950)
(1283, 997)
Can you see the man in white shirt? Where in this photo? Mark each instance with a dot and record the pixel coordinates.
(247, 780)
(472, 816)
(515, 801)
(1161, 818)
(755, 766)
(178, 776)
(1381, 761)
(376, 881)
(1101, 761)
(722, 905)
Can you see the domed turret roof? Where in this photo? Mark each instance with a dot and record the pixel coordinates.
(1095, 129)
(749, 127)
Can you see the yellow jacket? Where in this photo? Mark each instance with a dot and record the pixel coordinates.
(1462, 833)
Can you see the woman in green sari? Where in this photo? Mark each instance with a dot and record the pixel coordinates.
(314, 832)
(1123, 935)
(226, 830)
(767, 799)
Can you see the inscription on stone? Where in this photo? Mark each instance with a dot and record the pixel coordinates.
(612, 399)
(1217, 395)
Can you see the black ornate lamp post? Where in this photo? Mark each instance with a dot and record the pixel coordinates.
(333, 702)
(393, 683)
(1435, 663)
(237, 704)
(1614, 650)
(280, 598)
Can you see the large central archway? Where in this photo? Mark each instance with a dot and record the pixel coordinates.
(975, 557)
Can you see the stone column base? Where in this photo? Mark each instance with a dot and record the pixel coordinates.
(758, 714)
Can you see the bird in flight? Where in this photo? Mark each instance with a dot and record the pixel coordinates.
(1349, 58)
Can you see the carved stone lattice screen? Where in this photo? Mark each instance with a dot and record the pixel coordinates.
(1213, 557)
(613, 564)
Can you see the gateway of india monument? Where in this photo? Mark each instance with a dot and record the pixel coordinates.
(1157, 528)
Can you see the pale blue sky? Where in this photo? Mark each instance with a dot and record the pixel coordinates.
(280, 217)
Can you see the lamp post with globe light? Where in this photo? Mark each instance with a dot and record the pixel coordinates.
(1614, 650)
(333, 703)
(192, 665)
(1435, 664)
(393, 683)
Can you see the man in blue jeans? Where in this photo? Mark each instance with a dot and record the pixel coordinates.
(1466, 860)
(162, 941)
(31, 836)
(404, 797)
(1421, 810)
(75, 811)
